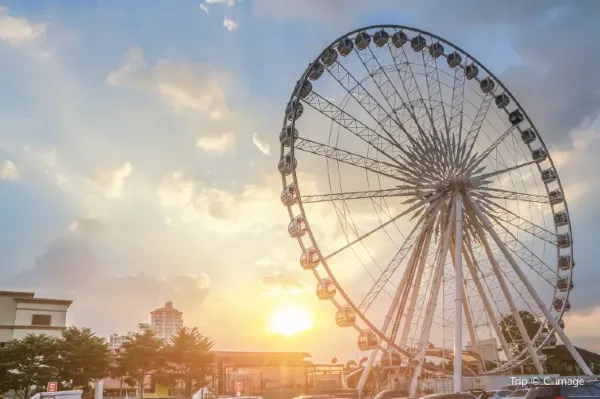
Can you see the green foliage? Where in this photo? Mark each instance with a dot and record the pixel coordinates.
(188, 359)
(511, 332)
(29, 365)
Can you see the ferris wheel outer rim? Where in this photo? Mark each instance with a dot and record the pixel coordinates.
(294, 98)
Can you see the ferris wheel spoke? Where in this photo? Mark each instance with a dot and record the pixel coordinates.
(551, 320)
(424, 224)
(432, 301)
(481, 179)
(379, 167)
(503, 286)
(456, 114)
(413, 208)
(475, 162)
(504, 216)
(350, 123)
(475, 273)
(473, 133)
(496, 193)
(399, 191)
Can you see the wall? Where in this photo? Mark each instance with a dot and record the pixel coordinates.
(25, 311)
(8, 307)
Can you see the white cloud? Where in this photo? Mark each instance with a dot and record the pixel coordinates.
(184, 86)
(110, 182)
(230, 24)
(18, 31)
(581, 138)
(204, 8)
(218, 145)
(263, 147)
(228, 3)
(9, 171)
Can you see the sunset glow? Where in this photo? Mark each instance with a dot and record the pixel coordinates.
(289, 320)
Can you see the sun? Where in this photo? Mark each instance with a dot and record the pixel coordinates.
(289, 320)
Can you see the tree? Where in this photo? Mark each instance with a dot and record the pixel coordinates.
(29, 363)
(514, 338)
(141, 356)
(82, 357)
(189, 358)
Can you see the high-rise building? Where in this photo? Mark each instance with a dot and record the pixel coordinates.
(166, 321)
(115, 341)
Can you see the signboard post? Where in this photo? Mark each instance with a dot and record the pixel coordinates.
(52, 387)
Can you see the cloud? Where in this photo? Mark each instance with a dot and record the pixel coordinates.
(9, 171)
(263, 147)
(19, 31)
(230, 24)
(184, 86)
(110, 182)
(218, 145)
(228, 3)
(204, 8)
(282, 280)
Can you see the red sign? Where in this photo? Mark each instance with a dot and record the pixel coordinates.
(52, 387)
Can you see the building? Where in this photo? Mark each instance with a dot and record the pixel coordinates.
(166, 321)
(488, 349)
(22, 314)
(115, 341)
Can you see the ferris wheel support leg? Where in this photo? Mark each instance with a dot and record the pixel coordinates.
(367, 369)
(430, 310)
(503, 286)
(486, 302)
(551, 320)
(458, 299)
(415, 293)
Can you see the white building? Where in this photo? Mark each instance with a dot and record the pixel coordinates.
(488, 349)
(21, 314)
(166, 321)
(115, 341)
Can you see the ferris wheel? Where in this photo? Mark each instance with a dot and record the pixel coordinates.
(427, 207)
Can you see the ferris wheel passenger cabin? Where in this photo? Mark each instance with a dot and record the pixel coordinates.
(345, 316)
(558, 304)
(345, 46)
(528, 136)
(539, 155)
(549, 175)
(316, 70)
(561, 324)
(454, 59)
(367, 340)
(436, 50)
(303, 90)
(289, 195)
(381, 38)
(325, 289)
(294, 106)
(310, 258)
(418, 43)
(362, 41)
(471, 71)
(487, 85)
(563, 284)
(288, 136)
(297, 227)
(287, 164)
(555, 197)
(564, 262)
(502, 100)
(516, 117)
(561, 218)
(329, 57)
(563, 240)
(399, 39)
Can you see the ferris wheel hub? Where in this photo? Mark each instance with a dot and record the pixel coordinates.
(461, 182)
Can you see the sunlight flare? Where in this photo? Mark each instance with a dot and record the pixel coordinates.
(289, 320)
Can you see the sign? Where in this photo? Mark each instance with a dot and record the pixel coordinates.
(239, 386)
(52, 387)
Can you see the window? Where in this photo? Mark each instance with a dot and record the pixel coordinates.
(41, 320)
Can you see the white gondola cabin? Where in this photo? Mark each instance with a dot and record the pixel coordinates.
(362, 40)
(367, 340)
(563, 240)
(329, 57)
(528, 136)
(345, 316)
(436, 49)
(561, 218)
(565, 263)
(390, 358)
(516, 117)
(399, 39)
(539, 155)
(558, 304)
(471, 71)
(305, 89)
(563, 284)
(316, 70)
(487, 85)
(289, 111)
(454, 59)
(310, 258)
(556, 196)
(325, 289)
(418, 43)
(287, 165)
(345, 46)
(380, 38)
(288, 136)
(549, 175)
(289, 195)
(561, 324)
(297, 227)
(502, 100)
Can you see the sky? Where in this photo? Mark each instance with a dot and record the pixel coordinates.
(138, 144)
